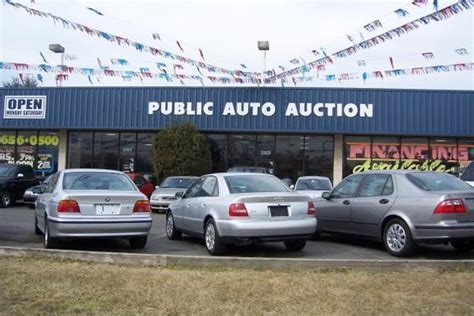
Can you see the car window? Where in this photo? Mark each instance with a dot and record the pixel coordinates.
(254, 183)
(27, 171)
(52, 183)
(97, 181)
(139, 181)
(175, 182)
(313, 184)
(193, 190)
(376, 185)
(348, 187)
(468, 174)
(437, 181)
(209, 187)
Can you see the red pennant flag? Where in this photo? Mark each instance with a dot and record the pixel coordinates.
(179, 45)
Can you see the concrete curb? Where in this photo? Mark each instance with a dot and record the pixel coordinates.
(236, 262)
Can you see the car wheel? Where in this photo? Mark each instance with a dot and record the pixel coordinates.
(49, 242)
(37, 230)
(295, 244)
(6, 199)
(138, 242)
(171, 231)
(397, 238)
(462, 246)
(214, 244)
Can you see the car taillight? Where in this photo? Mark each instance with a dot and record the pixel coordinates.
(142, 206)
(68, 206)
(238, 209)
(311, 208)
(450, 207)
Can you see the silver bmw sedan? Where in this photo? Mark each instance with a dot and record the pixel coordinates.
(400, 208)
(226, 208)
(92, 203)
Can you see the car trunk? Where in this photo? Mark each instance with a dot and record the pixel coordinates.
(276, 206)
(102, 203)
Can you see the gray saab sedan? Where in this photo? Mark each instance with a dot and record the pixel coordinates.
(227, 208)
(401, 208)
(92, 203)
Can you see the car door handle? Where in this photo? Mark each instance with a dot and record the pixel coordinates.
(203, 205)
(188, 205)
(383, 201)
(346, 202)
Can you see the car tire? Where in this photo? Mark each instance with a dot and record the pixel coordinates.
(138, 242)
(37, 230)
(295, 244)
(31, 206)
(49, 242)
(6, 199)
(171, 232)
(397, 238)
(462, 246)
(214, 244)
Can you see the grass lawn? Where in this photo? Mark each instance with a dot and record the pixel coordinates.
(46, 286)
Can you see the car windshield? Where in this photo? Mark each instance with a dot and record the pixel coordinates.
(7, 170)
(97, 181)
(313, 184)
(248, 169)
(254, 184)
(433, 181)
(180, 183)
(468, 174)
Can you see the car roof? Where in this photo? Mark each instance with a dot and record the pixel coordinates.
(182, 177)
(92, 170)
(313, 177)
(231, 174)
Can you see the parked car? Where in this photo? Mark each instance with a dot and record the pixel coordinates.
(92, 203)
(401, 208)
(227, 208)
(150, 178)
(313, 186)
(143, 184)
(31, 194)
(14, 180)
(250, 169)
(166, 192)
(287, 182)
(468, 174)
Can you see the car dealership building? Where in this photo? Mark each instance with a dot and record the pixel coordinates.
(291, 131)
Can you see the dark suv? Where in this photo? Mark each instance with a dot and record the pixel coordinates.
(14, 180)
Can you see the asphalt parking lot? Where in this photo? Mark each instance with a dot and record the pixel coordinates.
(17, 230)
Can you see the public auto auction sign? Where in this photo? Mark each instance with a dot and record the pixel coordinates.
(24, 107)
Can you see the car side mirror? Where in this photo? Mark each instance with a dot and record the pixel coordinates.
(179, 195)
(20, 175)
(326, 195)
(292, 186)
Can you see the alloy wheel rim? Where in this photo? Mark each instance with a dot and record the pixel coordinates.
(210, 237)
(396, 237)
(169, 225)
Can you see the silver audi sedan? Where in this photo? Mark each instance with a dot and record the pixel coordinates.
(92, 203)
(401, 208)
(228, 208)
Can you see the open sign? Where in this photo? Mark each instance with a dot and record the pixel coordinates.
(24, 107)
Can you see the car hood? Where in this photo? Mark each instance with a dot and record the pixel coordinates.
(312, 193)
(168, 191)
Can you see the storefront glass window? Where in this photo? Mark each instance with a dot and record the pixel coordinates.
(128, 143)
(7, 146)
(80, 150)
(144, 163)
(47, 158)
(465, 154)
(385, 153)
(266, 152)
(415, 154)
(319, 156)
(289, 156)
(444, 155)
(357, 154)
(218, 146)
(242, 150)
(26, 142)
(106, 149)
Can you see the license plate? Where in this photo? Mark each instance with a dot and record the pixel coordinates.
(107, 209)
(276, 211)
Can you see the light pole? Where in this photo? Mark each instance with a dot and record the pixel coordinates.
(58, 49)
(264, 46)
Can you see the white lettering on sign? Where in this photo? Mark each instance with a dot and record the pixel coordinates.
(268, 109)
(24, 107)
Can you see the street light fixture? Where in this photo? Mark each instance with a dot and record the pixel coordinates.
(264, 46)
(58, 49)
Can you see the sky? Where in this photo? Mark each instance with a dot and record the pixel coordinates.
(227, 32)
